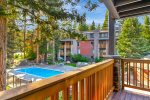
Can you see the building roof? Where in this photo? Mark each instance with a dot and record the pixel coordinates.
(127, 8)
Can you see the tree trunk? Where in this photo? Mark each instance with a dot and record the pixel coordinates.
(53, 51)
(24, 35)
(37, 47)
(3, 41)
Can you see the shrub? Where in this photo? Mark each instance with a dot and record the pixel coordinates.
(31, 55)
(79, 58)
(98, 59)
(16, 56)
(50, 60)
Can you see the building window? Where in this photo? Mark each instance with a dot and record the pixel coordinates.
(91, 35)
(103, 35)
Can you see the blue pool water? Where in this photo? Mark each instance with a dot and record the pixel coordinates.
(41, 72)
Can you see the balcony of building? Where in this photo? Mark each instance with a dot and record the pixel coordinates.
(93, 82)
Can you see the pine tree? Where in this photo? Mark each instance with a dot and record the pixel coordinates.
(83, 27)
(105, 24)
(131, 43)
(92, 27)
(146, 27)
(98, 27)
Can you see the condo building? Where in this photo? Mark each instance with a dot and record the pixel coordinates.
(95, 46)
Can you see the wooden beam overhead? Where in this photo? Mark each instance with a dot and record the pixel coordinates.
(135, 15)
(136, 12)
(133, 6)
(110, 6)
(124, 2)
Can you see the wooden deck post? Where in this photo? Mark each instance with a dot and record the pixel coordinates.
(111, 35)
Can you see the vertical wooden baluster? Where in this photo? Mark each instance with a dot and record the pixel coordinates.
(106, 72)
(91, 91)
(93, 87)
(129, 73)
(66, 94)
(75, 91)
(143, 75)
(87, 88)
(103, 85)
(56, 96)
(51, 97)
(136, 74)
(100, 86)
(97, 86)
(148, 75)
(122, 65)
(133, 73)
(82, 89)
(111, 82)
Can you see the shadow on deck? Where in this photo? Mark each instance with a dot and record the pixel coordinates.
(131, 94)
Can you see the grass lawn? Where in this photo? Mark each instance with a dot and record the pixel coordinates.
(72, 64)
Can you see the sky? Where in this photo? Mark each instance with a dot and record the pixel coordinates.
(97, 15)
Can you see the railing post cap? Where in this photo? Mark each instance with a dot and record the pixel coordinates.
(113, 56)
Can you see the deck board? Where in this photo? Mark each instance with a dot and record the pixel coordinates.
(128, 95)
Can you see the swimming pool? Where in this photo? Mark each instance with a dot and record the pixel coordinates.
(40, 72)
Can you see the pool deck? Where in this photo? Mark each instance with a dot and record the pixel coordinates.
(20, 78)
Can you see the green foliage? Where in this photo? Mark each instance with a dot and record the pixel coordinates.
(146, 28)
(83, 27)
(99, 60)
(131, 43)
(50, 59)
(31, 55)
(43, 46)
(71, 64)
(98, 27)
(92, 27)
(105, 24)
(79, 58)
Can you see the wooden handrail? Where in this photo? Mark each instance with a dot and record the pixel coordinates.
(135, 60)
(100, 73)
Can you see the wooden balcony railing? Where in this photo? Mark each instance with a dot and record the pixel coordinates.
(68, 46)
(93, 82)
(136, 74)
(102, 45)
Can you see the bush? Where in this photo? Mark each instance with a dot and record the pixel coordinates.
(16, 56)
(50, 60)
(98, 59)
(79, 58)
(31, 55)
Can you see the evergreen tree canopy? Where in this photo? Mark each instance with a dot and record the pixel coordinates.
(146, 27)
(92, 27)
(105, 24)
(83, 27)
(131, 44)
(98, 27)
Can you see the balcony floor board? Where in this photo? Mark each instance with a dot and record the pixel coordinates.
(130, 95)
